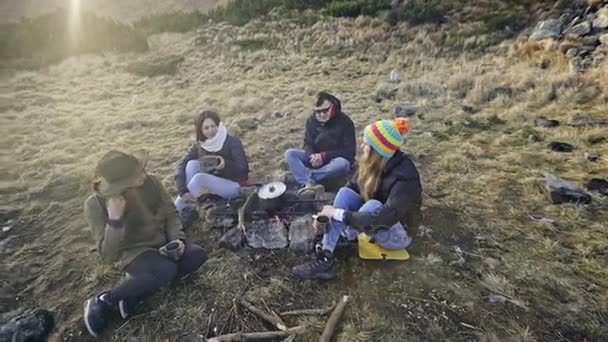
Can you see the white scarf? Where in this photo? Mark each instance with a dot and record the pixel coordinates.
(215, 144)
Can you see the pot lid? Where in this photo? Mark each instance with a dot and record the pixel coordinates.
(272, 190)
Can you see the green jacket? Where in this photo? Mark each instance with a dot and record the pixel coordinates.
(150, 221)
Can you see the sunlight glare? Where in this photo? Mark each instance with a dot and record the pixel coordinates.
(74, 22)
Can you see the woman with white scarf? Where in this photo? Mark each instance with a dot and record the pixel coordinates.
(212, 139)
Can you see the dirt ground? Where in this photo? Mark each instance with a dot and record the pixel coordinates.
(481, 269)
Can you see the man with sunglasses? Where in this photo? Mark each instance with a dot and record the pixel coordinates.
(329, 145)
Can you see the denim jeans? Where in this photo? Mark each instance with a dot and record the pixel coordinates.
(394, 237)
(199, 181)
(304, 173)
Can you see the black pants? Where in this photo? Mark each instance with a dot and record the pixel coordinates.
(150, 271)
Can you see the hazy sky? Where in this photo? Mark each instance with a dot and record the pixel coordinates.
(122, 10)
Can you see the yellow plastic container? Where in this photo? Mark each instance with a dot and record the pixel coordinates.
(368, 250)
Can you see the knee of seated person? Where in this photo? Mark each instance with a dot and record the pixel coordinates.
(346, 190)
(197, 253)
(193, 165)
(342, 164)
(290, 153)
(371, 205)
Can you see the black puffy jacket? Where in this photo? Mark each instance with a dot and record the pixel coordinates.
(335, 138)
(400, 191)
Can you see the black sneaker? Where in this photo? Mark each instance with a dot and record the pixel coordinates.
(187, 216)
(97, 314)
(324, 267)
(127, 306)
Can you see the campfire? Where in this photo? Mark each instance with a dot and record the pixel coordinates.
(272, 217)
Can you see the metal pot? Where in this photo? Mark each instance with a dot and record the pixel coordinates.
(272, 195)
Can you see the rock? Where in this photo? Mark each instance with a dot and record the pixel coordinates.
(268, 234)
(592, 41)
(561, 147)
(544, 122)
(591, 157)
(601, 21)
(470, 109)
(247, 123)
(587, 120)
(301, 235)
(580, 29)
(571, 53)
(233, 239)
(597, 138)
(404, 111)
(535, 137)
(579, 64)
(31, 325)
(561, 191)
(604, 39)
(492, 263)
(278, 115)
(217, 215)
(8, 212)
(500, 91)
(7, 246)
(496, 298)
(598, 184)
(551, 28)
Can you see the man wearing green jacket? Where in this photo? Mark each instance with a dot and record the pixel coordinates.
(137, 229)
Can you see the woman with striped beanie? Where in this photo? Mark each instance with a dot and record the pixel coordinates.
(382, 199)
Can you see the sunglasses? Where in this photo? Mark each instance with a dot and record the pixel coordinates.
(322, 111)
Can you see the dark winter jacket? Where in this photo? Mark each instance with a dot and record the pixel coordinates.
(335, 138)
(236, 165)
(400, 191)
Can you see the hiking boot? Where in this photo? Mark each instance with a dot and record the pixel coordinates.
(97, 314)
(323, 267)
(187, 216)
(127, 306)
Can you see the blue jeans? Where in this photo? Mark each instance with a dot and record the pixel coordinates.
(198, 182)
(304, 173)
(394, 237)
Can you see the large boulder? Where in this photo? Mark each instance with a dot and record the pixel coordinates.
(551, 28)
(604, 39)
(601, 20)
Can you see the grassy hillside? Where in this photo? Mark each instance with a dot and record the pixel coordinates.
(477, 148)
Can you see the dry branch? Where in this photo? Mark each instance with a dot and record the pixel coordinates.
(272, 319)
(332, 322)
(308, 312)
(240, 336)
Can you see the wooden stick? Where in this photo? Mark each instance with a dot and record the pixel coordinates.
(274, 320)
(307, 312)
(240, 336)
(332, 322)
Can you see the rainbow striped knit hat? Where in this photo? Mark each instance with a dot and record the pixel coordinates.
(386, 136)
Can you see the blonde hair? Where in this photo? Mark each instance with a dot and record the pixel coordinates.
(369, 174)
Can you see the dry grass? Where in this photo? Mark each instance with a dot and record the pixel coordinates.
(479, 173)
